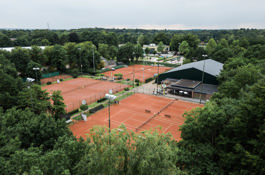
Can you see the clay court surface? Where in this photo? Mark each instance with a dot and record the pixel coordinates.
(53, 79)
(76, 90)
(139, 112)
(140, 71)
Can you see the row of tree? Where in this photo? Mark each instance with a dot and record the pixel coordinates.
(119, 36)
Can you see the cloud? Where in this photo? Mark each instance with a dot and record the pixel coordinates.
(147, 14)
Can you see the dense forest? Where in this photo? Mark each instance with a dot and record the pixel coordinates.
(226, 136)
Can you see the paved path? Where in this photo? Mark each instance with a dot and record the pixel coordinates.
(151, 89)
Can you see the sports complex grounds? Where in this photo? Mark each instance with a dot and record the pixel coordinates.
(137, 112)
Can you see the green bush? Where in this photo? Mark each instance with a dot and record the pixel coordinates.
(48, 83)
(105, 70)
(73, 112)
(137, 80)
(149, 79)
(126, 89)
(83, 107)
(74, 72)
(128, 79)
(95, 109)
(119, 66)
(101, 100)
(61, 79)
(100, 75)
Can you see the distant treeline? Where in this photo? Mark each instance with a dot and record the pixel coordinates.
(9, 38)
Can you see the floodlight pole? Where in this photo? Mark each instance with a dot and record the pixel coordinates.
(157, 78)
(36, 69)
(94, 61)
(110, 97)
(143, 75)
(133, 75)
(202, 77)
(109, 117)
(30, 80)
(80, 60)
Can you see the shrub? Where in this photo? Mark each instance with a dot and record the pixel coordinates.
(137, 80)
(83, 107)
(119, 66)
(126, 89)
(61, 79)
(74, 111)
(149, 79)
(128, 79)
(100, 75)
(101, 100)
(119, 76)
(95, 109)
(48, 83)
(104, 70)
(74, 72)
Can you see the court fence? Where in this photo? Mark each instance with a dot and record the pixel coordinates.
(92, 98)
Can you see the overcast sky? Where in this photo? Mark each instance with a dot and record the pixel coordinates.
(146, 14)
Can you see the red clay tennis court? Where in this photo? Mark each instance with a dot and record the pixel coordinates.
(76, 90)
(54, 78)
(139, 112)
(140, 71)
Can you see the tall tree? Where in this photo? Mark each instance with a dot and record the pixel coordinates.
(184, 47)
(160, 47)
(21, 58)
(161, 36)
(125, 53)
(175, 42)
(211, 46)
(58, 107)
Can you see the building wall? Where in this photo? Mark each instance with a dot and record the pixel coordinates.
(203, 96)
(190, 74)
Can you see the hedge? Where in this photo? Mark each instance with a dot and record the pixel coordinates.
(73, 112)
(149, 79)
(95, 109)
(83, 107)
(101, 100)
(119, 66)
(105, 70)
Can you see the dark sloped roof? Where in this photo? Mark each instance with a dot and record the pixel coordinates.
(212, 67)
(186, 83)
(206, 88)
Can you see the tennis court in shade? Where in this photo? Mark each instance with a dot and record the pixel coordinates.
(139, 112)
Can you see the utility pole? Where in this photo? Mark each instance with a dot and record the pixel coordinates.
(35, 70)
(80, 60)
(110, 97)
(143, 70)
(133, 75)
(202, 78)
(157, 78)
